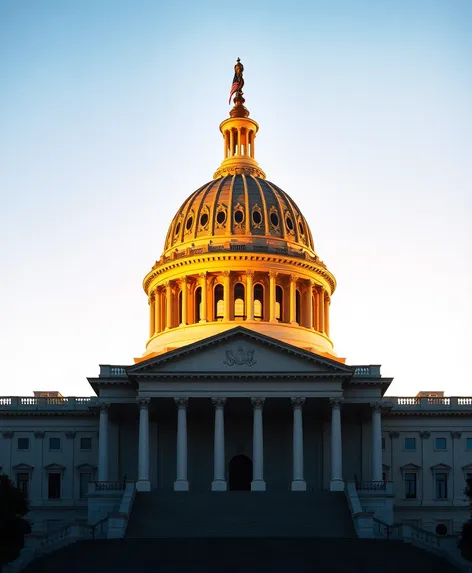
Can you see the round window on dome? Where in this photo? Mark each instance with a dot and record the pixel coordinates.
(221, 217)
(204, 220)
(289, 223)
(441, 529)
(300, 228)
(274, 219)
(238, 217)
(177, 228)
(257, 217)
(189, 224)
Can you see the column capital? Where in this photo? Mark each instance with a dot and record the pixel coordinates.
(258, 402)
(168, 284)
(219, 402)
(336, 402)
(425, 435)
(151, 298)
(70, 435)
(376, 405)
(250, 273)
(203, 275)
(293, 278)
(39, 435)
(143, 402)
(103, 406)
(226, 274)
(394, 435)
(181, 403)
(183, 281)
(311, 283)
(273, 274)
(297, 402)
(456, 435)
(8, 435)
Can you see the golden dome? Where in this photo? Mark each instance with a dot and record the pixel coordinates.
(243, 212)
(239, 252)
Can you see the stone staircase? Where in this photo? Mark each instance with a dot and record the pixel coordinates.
(240, 514)
(240, 555)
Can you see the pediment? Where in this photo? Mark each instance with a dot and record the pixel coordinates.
(467, 468)
(54, 468)
(237, 352)
(85, 468)
(441, 468)
(23, 468)
(410, 468)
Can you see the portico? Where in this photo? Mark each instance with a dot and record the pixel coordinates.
(244, 394)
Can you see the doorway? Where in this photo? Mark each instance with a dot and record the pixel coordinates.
(240, 473)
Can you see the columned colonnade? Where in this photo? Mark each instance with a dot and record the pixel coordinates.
(266, 296)
(258, 482)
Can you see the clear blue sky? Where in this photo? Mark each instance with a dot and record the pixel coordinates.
(109, 114)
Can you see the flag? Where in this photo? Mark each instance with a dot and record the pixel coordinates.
(238, 81)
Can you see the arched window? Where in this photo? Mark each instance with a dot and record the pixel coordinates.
(258, 302)
(239, 306)
(279, 300)
(180, 307)
(219, 302)
(198, 304)
(297, 306)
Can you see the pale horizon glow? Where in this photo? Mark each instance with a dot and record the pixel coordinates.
(109, 115)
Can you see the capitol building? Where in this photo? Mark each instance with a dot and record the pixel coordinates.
(239, 387)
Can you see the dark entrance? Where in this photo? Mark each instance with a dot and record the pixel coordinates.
(240, 473)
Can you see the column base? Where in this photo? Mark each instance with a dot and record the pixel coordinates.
(258, 485)
(181, 485)
(143, 485)
(299, 485)
(336, 485)
(219, 485)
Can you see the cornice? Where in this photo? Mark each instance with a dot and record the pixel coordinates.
(290, 260)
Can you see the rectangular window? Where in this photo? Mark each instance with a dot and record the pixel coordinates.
(468, 443)
(22, 482)
(84, 481)
(410, 485)
(410, 443)
(383, 444)
(440, 443)
(441, 486)
(54, 486)
(85, 443)
(54, 443)
(23, 443)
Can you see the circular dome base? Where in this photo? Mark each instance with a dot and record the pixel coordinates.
(290, 333)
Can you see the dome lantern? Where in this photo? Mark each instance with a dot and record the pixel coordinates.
(239, 134)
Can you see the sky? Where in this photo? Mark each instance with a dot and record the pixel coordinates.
(109, 115)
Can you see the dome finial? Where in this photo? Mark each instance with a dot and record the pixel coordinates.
(237, 88)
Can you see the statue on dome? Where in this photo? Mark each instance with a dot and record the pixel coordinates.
(238, 80)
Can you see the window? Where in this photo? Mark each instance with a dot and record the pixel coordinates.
(258, 302)
(198, 304)
(239, 301)
(54, 486)
(279, 298)
(23, 443)
(410, 443)
(219, 302)
(84, 481)
(298, 304)
(410, 485)
(85, 443)
(441, 485)
(440, 444)
(180, 307)
(441, 529)
(383, 444)
(22, 482)
(468, 443)
(54, 443)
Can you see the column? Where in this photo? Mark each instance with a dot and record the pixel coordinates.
(309, 304)
(168, 305)
(293, 299)
(298, 483)
(103, 444)
(225, 145)
(181, 483)
(143, 483)
(337, 483)
(326, 314)
(249, 295)
(321, 323)
(157, 311)
(376, 471)
(219, 481)
(203, 285)
(231, 143)
(183, 285)
(238, 151)
(272, 277)
(227, 294)
(151, 315)
(258, 483)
